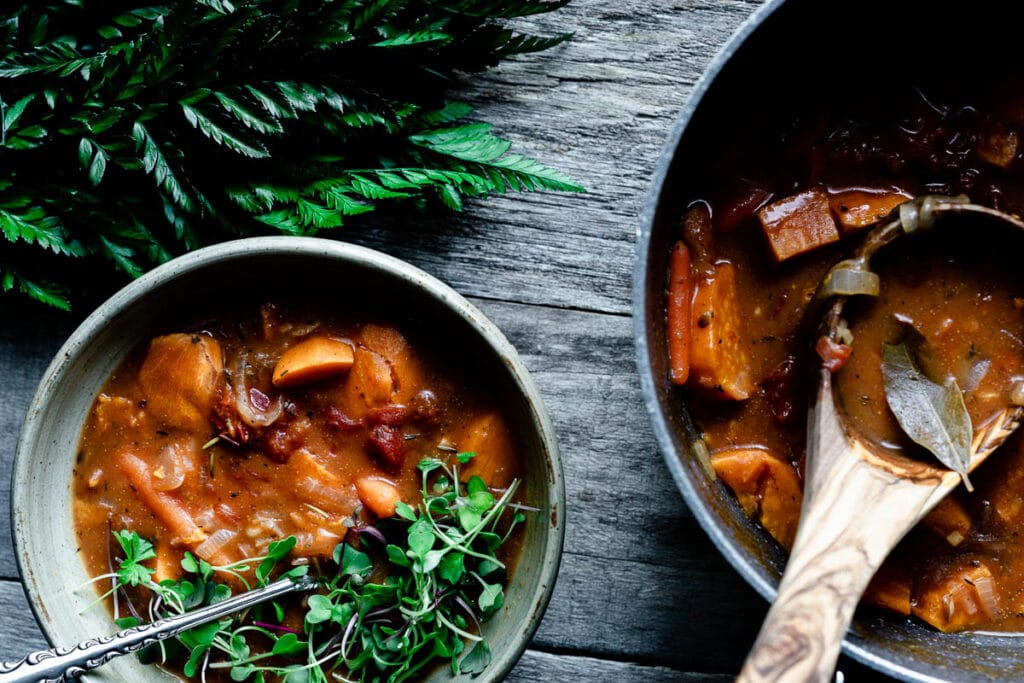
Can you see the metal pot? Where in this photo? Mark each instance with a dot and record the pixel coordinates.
(784, 62)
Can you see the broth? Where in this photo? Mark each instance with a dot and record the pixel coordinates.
(775, 213)
(241, 429)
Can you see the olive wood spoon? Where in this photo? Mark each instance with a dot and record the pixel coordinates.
(859, 501)
(68, 663)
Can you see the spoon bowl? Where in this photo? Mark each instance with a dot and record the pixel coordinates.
(859, 500)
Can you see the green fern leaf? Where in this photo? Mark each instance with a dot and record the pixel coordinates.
(337, 197)
(220, 135)
(414, 38)
(121, 255)
(247, 117)
(315, 217)
(155, 163)
(34, 226)
(372, 190)
(47, 293)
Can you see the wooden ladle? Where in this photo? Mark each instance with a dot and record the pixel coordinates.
(859, 500)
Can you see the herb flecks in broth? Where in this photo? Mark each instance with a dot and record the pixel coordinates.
(293, 440)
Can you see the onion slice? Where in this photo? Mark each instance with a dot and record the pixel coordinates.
(849, 278)
(987, 596)
(209, 548)
(251, 415)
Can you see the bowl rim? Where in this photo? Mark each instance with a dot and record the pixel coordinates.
(329, 250)
(752, 573)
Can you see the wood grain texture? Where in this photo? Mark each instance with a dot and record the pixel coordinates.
(643, 595)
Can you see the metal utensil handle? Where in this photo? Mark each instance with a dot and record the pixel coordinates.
(68, 663)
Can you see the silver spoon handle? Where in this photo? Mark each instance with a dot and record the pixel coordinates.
(68, 663)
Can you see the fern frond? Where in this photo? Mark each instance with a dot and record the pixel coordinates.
(32, 225)
(155, 163)
(45, 292)
(221, 135)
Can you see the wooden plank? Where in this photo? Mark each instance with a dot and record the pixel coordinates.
(19, 633)
(598, 108)
(543, 667)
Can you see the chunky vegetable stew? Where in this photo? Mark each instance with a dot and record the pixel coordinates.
(291, 440)
(753, 245)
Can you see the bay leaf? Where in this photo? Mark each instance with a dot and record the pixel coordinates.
(933, 415)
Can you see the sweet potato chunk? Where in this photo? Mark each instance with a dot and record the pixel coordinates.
(312, 360)
(950, 520)
(963, 599)
(999, 147)
(767, 488)
(491, 439)
(369, 384)
(179, 377)
(856, 209)
(378, 495)
(679, 318)
(313, 483)
(406, 371)
(890, 588)
(699, 236)
(718, 362)
(798, 223)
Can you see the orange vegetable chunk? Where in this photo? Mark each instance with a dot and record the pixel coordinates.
(890, 588)
(950, 520)
(858, 208)
(312, 360)
(766, 487)
(999, 147)
(798, 224)
(679, 314)
(179, 377)
(370, 384)
(491, 439)
(406, 369)
(718, 361)
(964, 598)
(165, 506)
(378, 495)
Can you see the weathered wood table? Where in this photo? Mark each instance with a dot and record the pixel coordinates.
(643, 595)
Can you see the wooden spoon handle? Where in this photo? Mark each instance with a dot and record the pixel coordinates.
(854, 513)
(800, 638)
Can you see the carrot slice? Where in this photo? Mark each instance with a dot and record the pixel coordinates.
(680, 313)
(858, 208)
(798, 224)
(379, 496)
(718, 361)
(166, 507)
(312, 360)
(767, 488)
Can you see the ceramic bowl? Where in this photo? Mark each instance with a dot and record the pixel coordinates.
(41, 496)
(789, 59)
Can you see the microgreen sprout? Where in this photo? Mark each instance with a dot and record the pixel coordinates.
(406, 594)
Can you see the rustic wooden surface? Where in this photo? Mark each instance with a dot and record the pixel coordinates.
(642, 595)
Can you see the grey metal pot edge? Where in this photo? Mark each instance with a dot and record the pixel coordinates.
(754, 574)
(300, 246)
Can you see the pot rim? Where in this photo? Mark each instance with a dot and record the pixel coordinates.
(755, 575)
